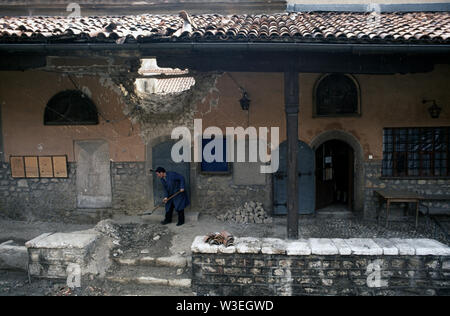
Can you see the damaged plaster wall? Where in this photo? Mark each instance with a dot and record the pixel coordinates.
(157, 115)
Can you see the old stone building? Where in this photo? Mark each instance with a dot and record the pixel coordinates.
(355, 96)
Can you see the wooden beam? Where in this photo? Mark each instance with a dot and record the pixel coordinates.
(22, 61)
(305, 62)
(291, 97)
(2, 151)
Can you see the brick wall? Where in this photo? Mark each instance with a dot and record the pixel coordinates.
(268, 266)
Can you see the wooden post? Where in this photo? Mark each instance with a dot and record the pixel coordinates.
(291, 98)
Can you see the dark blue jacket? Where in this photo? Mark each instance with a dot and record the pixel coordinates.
(172, 184)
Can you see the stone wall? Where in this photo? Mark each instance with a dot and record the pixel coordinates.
(267, 266)
(215, 194)
(130, 186)
(55, 199)
(27, 199)
(374, 181)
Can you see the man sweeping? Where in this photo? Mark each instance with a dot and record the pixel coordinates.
(174, 185)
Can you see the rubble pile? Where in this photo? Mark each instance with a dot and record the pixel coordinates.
(250, 212)
(130, 238)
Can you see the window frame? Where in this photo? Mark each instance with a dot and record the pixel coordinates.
(68, 121)
(211, 172)
(315, 113)
(421, 135)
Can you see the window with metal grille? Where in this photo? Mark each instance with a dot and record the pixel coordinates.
(416, 152)
(337, 95)
(70, 107)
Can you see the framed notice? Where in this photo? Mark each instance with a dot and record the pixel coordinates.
(45, 167)
(60, 166)
(31, 167)
(17, 167)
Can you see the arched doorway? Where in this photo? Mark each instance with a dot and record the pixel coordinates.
(335, 161)
(306, 187)
(161, 156)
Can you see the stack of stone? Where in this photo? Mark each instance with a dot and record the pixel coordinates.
(250, 212)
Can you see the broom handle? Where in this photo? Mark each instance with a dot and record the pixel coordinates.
(168, 199)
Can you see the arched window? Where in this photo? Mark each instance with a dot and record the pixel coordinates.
(70, 107)
(337, 95)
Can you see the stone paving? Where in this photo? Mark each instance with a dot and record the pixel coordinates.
(360, 228)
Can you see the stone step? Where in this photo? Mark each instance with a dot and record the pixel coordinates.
(148, 275)
(172, 261)
(138, 289)
(334, 214)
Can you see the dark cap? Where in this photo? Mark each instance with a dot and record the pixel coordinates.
(160, 169)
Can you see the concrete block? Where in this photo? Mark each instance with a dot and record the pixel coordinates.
(322, 246)
(63, 240)
(199, 246)
(298, 248)
(405, 248)
(387, 245)
(364, 246)
(228, 250)
(273, 246)
(343, 248)
(248, 245)
(51, 254)
(429, 247)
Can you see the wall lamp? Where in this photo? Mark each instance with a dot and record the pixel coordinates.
(434, 109)
(245, 101)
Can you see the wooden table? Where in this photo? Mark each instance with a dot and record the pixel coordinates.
(394, 196)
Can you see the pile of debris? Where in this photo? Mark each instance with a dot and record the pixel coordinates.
(250, 212)
(130, 238)
(222, 238)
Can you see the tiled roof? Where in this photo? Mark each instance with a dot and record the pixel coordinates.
(174, 85)
(164, 71)
(328, 27)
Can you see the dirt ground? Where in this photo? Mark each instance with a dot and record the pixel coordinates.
(134, 235)
(139, 235)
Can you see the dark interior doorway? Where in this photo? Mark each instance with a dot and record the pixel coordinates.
(334, 175)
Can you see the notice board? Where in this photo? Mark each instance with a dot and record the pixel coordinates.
(39, 166)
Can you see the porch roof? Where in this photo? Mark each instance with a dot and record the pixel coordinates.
(419, 28)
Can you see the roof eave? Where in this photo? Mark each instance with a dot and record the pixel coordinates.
(248, 47)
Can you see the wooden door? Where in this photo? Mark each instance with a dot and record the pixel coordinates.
(306, 180)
